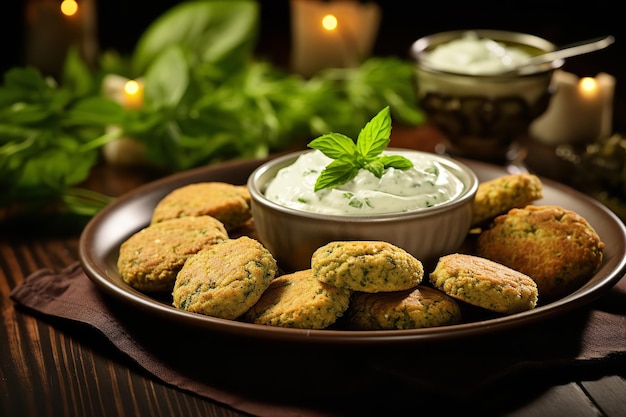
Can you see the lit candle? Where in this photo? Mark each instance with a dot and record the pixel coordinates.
(331, 34)
(53, 26)
(581, 110)
(129, 93)
(133, 94)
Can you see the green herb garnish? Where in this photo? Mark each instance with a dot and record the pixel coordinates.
(350, 157)
(356, 203)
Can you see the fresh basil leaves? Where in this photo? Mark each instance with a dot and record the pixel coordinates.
(207, 99)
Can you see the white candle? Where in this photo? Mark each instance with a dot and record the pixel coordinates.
(331, 34)
(129, 93)
(53, 26)
(133, 94)
(581, 110)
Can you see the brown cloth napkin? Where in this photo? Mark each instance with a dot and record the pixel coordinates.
(266, 378)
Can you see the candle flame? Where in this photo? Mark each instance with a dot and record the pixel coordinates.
(69, 7)
(588, 84)
(329, 22)
(131, 87)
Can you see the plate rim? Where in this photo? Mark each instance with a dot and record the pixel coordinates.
(134, 298)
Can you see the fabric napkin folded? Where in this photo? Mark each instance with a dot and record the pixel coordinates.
(267, 378)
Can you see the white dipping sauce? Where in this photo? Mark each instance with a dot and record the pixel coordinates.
(427, 184)
(478, 56)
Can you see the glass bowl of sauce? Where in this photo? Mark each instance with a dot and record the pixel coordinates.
(465, 86)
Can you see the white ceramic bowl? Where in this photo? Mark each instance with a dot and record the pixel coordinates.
(293, 235)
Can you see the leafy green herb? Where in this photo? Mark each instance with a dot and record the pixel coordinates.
(375, 83)
(49, 137)
(350, 157)
(221, 32)
(206, 100)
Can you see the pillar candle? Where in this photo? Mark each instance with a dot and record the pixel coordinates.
(133, 94)
(318, 44)
(52, 29)
(580, 111)
(129, 93)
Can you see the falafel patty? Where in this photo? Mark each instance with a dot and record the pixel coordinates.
(225, 279)
(367, 266)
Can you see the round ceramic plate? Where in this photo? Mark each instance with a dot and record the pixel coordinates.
(102, 237)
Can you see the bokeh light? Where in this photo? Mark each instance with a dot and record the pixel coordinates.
(329, 22)
(131, 87)
(69, 7)
(588, 84)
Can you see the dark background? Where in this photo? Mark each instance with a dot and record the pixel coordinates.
(121, 22)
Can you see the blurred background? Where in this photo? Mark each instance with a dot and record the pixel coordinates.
(120, 23)
(560, 22)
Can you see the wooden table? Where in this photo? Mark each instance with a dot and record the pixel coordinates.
(56, 369)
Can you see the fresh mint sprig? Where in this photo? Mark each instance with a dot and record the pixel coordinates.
(350, 157)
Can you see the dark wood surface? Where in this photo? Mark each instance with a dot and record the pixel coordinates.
(59, 369)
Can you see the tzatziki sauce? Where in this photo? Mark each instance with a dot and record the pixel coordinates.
(474, 55)
(429, 183)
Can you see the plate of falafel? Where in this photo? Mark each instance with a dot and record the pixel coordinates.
(184, 249)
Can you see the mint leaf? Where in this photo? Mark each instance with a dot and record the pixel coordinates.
(374, 137)
(349, 157)
(375, 167)
(338, 172)
(395, 161)
(334, 145)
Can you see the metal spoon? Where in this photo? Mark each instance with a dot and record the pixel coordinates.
(571, 50)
